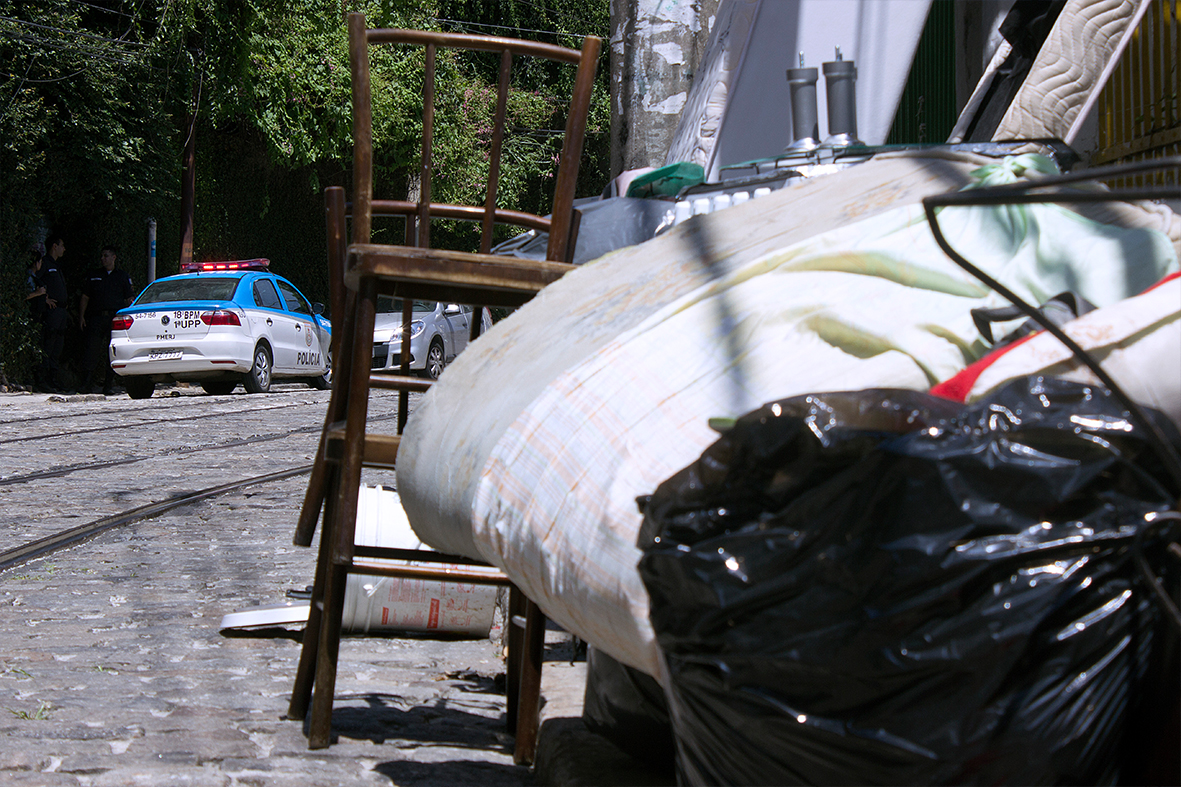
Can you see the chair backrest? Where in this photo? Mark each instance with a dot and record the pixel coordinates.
(419, 214)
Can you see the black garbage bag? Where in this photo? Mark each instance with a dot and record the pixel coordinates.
(881, 587)
(627, 707)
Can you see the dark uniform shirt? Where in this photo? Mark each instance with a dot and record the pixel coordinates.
(108, 291)
(36, 305)
(53, 281)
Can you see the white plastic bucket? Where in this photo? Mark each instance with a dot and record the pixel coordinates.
(389, 603)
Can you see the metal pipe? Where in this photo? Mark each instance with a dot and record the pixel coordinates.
(840, 84)
(805, 125)
(151, 250)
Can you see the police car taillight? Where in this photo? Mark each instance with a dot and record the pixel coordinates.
(220, 317)
(121, 323)
(225, 265)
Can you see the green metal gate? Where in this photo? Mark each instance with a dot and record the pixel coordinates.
(927, 111)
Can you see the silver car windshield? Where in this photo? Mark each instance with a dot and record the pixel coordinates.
(387, 304)
(205, 288)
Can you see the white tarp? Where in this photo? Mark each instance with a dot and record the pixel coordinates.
(533, 447)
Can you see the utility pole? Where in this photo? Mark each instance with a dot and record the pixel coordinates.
(151, 250)
(656, 46)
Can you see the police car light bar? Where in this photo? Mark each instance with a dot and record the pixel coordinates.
(225, 265)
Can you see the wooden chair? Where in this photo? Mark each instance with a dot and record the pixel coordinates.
(360, 272)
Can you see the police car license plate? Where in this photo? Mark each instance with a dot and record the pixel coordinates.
(164, 355)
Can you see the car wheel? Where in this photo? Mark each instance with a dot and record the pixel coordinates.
(219, 387)
(324, 381)
(435, 360)
(258, 379)
(139, 387)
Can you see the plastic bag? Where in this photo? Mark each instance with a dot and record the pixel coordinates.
(882, 587)
(627, 707)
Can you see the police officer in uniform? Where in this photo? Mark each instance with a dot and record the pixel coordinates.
(57, 319)
(35, 290)
(106, 291)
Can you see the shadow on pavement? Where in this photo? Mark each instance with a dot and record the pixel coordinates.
(390, 717)
(455, 772)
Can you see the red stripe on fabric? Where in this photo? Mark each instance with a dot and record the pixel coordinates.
(958, 387)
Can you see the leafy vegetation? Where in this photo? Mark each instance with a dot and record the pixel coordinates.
(82, 87)
(96, 98)
(41, 714)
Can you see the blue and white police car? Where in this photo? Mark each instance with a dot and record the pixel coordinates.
(220, 324)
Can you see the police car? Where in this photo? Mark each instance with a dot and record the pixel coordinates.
(220, 324)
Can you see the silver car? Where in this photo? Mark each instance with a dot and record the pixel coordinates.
(438, 332)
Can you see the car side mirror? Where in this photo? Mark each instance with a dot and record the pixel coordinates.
(451, 308)
(317, 308)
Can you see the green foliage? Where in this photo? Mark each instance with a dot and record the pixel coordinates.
(20, 342)
(88, 143)
(85, 94)
(96, 96)
(277, 81)
(280, 69)
(558, 22)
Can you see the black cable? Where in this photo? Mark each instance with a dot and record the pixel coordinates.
(101, 8)
(94, 53)
(21, 86)
(41, 81)
(66, 31)
(551, 33)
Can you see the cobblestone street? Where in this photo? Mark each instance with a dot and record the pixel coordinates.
(115, 670)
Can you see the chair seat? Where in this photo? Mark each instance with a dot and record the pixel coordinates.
(452, 276)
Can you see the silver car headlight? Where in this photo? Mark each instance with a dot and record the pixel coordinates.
(416, 327)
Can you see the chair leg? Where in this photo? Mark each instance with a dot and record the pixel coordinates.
(356, 411)
(340, 529)
(313, 499)
(327, 657)
(516, 639)
(323, 489)
(529, 702)
(342, 300)
(319, 489)
(301, 692)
